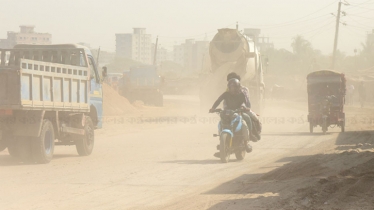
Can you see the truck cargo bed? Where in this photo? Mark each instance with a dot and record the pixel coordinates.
(35, 85)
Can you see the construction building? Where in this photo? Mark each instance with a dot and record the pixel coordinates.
(136, 46)
(27, 35)
(262, 42)
(191, 54)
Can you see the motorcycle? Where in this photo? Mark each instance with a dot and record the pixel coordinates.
(231, 129)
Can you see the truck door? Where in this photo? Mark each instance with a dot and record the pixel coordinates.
(96, 93)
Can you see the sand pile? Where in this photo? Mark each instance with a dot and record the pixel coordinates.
(115, 104)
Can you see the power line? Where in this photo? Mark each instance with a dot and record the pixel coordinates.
(194, 36)
(298, 19)
(320, 30)
(363, 25)
(362, 17)
(307, 31)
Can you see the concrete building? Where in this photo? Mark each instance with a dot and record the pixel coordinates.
(262, 42)
(178, 54)
(162, 54)
(27, 35)
(137, 46)
(191, 54)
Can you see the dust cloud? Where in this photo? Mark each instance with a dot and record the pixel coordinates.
(112, 108)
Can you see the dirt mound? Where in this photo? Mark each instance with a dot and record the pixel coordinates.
(115, 104)
(331, 181)
(350, 189)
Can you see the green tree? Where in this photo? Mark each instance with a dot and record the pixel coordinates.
(304, 53)
(301, 47)
(367, 53)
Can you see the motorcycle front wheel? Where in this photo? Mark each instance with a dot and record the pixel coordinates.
(224, 147)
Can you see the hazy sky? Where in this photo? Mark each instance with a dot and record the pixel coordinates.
(96, 21)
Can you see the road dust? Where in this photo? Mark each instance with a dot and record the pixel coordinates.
(167, 163)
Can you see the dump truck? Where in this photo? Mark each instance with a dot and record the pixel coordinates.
(49, 95)
(231, 51)
(142, 83)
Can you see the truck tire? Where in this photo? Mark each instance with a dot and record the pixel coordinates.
(12, 147)
(159, 100)
(20, 148)
(85, 145)
(3, 142)
(43, 146)
(24, 149)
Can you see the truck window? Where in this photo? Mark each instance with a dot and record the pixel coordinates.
(92, 69)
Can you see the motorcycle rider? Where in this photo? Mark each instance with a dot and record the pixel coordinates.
(235, 99)
(253, 123)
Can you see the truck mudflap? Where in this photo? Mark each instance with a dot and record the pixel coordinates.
(24, 123)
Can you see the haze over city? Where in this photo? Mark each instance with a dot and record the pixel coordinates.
(96, 22)
(186, 104)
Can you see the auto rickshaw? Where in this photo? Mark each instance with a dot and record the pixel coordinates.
(326, 98)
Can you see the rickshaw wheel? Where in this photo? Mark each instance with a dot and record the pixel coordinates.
(342, 127)
(311, 127)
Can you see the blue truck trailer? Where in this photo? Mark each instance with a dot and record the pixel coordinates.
(144, 84)
(49, 95)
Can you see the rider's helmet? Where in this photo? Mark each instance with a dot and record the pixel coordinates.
(234, 86)
(233, 75)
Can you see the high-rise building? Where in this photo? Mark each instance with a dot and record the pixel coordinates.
(178, 54)
(137, 46)
(191, 54)
(27, 35)
(162, 54)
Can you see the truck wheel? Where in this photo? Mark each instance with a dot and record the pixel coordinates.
(24, 149)
(44, 145)
(159, 100)
(85, 145)
(3, 142)
(12, 147)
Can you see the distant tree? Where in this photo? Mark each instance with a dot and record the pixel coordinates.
(304, 53)
(301, 47)
(367, 53)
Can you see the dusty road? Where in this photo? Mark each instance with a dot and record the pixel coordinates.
(140, 164)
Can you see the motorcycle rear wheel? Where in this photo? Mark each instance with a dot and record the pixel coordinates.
(240, 155)
(224, 147)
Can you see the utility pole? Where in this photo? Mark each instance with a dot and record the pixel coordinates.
(155, 56)
(98, 56)
(336, 36)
